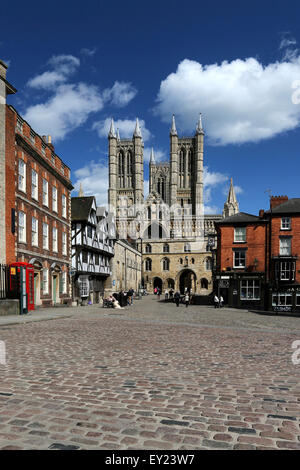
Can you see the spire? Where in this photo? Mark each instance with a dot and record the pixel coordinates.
(199, 128)
(152, 157)
(231, 205)
(112, 132)
(80, 193)
(173, 129)
(118, 135)
(231, 194)
(137, 130)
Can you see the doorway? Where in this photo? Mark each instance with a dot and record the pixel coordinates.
(187, 281)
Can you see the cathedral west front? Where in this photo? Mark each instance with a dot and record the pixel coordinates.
(169, 227)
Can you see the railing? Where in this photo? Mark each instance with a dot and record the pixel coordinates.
(3, 281)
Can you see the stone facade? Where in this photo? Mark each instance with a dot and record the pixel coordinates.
(172, 232)
(125, 267)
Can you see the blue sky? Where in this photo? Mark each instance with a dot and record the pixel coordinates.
(236, 62)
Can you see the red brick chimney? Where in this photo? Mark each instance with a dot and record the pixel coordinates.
(277, 200)
(261, 213)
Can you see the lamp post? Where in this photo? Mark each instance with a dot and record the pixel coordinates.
(141, 283)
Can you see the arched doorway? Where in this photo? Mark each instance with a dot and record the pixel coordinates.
(187, 279)
(157, 282)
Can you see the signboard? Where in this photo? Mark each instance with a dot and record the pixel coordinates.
(282, 308)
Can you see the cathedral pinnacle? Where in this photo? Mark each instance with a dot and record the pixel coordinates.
(112, 132)
(137, 131)
(199, 128)
(231, 205)
(80, 193)
(152, 157)
(173, 129)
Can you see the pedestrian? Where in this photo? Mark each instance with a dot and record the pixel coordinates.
(171, 292)
(187, 299)
(166, 294)
(129, 296)
(216, 301)
(158, 293)
(155, 290)
(221, 301)
(177, 298)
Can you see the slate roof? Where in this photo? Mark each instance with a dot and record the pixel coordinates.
(240, 217)
(80, 207)
(289, 207)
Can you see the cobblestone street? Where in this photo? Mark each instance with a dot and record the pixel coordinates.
(150, 376)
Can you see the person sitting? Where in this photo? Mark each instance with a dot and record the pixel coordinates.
(115, 303)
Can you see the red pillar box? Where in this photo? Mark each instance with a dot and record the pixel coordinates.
(15, 284)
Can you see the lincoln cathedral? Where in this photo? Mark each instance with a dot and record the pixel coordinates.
(169, 227)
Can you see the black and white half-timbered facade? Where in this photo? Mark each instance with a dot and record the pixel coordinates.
(93, 236)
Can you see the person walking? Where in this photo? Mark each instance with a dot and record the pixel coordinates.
(221, 301)
(187, 298)
(216, 301)
(155, 290)
(158, 293)
(166, 294)
(177, 298)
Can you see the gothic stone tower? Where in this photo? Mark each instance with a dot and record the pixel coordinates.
(186, 169)
(126, 174)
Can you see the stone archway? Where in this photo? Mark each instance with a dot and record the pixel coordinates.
(157, 282)
(187, 279)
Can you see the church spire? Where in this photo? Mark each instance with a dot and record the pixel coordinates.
(173, 129)
(231, 205)
(80, 193)
(199, 128)
(137, 130)
(152, 157)
(112, 132)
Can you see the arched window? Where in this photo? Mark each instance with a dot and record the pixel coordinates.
(149, 212)
(166, 264)
(129, 169)
(121, 169)
(148, 264)
(166, 248)
(204, 283)
(187, 247)
(208, 264)
(180, 260)
(148, 248)
(193, 261)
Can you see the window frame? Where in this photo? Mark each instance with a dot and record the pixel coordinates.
(34, 233)
(22, 239)
(22, 175)
(45, 236)
(244, 236)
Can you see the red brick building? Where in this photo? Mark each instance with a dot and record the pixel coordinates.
(257, 258)
(37, 209)
(284, 253)
(241, 257)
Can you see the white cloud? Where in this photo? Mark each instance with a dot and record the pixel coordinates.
(241, 101)
(63, 66)
(88, 52)
(67, 109)
(126, 128)
(120, 94)
(211, 178)
(94, 180)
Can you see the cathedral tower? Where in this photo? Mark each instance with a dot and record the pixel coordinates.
(126, 174)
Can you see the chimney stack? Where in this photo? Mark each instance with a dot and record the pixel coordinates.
(277, 200)
(261, 213)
